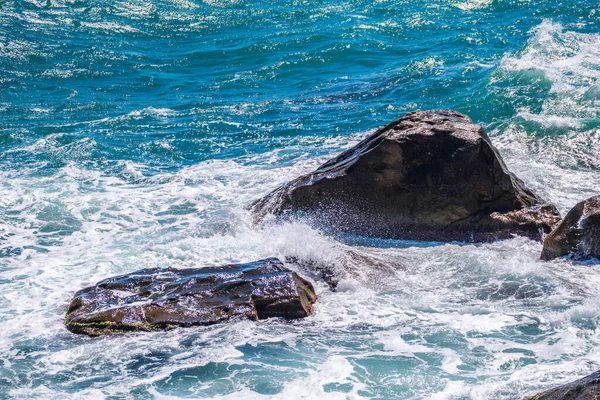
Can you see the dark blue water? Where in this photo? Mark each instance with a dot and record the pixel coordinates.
(132, 133)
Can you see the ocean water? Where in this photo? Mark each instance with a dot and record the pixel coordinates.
(132, 134)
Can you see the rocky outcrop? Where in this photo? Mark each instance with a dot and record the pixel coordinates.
(587, 388)
(164, 298)
(578, 234)
(430, 175)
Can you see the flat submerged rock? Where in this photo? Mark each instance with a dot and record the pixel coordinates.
(164, 298)
(430, 175)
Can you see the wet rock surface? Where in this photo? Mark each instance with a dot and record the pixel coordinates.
(587, 388)
(578, 234)
(164, 298)
(430, 175)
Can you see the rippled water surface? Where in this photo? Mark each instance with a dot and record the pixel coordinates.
(132, 133)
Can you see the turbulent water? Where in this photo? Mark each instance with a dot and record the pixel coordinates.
(132, 134)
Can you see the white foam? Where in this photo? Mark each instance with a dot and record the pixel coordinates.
(109, 26)
(135, 9)
(559, 163)
(473, 4)
(548, 121)
(570, 61)
(390, 292)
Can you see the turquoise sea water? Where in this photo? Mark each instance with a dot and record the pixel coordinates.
(132, 133)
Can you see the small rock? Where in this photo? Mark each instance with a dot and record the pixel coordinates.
(578, 234)
(587, 388)
(164, 298)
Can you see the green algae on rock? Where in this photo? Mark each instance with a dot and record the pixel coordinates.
(164, 298)
(430, 175)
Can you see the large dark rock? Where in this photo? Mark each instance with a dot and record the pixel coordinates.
(431, 175)
(587, 388)
(578, 233)
(164, 298)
